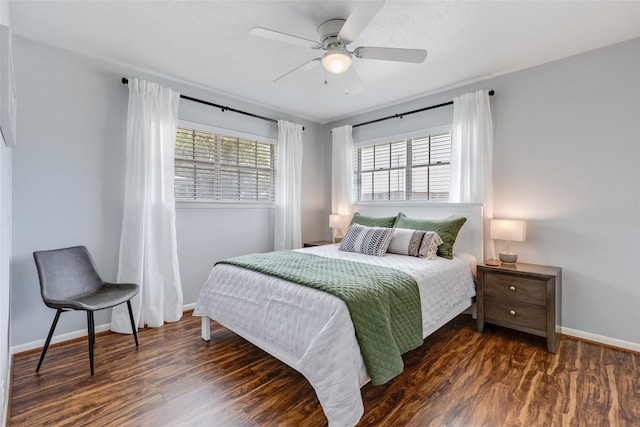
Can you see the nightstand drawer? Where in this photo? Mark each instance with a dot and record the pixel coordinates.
(515, 313)
(516, 288)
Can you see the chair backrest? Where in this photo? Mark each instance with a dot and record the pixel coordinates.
(65, 273)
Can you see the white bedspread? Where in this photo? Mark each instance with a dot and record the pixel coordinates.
(311, 330)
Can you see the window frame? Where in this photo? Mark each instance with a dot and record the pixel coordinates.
(226, 204)
(416, 134)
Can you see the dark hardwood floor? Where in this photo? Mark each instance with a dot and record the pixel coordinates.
(457, 378)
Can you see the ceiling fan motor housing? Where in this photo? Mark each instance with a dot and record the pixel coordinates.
(336, 59)
(329, 31)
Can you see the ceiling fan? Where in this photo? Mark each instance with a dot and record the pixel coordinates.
(335, 35)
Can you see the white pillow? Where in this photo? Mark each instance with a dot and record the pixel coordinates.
(418, 243)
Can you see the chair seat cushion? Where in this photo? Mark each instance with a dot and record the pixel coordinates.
(107, 295)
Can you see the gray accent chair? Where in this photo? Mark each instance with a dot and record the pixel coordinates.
(69, 280)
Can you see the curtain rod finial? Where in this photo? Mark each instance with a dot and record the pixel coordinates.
(125, 80)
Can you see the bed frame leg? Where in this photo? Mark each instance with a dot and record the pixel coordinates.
(205, 326)
(472, 310)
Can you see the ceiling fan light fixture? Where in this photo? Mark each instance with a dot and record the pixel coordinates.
(337, 60)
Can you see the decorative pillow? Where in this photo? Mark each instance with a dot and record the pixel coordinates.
(430, 244)
(372, 221)
(366, 240)
(447, 229)
(423, 244)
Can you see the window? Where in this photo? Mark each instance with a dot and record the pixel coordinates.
(210, 166)
(406, 169)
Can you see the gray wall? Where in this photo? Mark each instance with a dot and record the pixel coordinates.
(566, 156)
(68, 173)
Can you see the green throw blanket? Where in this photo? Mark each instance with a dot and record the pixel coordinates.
(384, 303)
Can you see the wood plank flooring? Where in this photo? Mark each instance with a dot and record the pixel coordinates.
(457, 378)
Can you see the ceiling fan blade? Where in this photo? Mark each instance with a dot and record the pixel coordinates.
(352, 81)
(391, 54)
(361, 15)
(304, 67)
(284, 37)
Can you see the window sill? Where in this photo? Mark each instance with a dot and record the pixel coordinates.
(415, 203)
(223, 205)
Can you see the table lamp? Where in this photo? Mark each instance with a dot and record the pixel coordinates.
(341, 223)
(508, 230)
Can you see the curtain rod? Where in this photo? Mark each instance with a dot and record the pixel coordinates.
(401, 115)
(222, 107)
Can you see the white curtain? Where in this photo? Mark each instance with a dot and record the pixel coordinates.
(288, 226)
(342, 171)
(148, 250)
(471, 156)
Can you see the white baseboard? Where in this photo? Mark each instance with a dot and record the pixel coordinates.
(57, 338)
(70, 335)
(601, 339)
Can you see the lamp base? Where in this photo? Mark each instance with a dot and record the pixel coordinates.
(508, 258)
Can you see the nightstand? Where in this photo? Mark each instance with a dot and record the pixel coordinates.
(318, 243)
(520, 296)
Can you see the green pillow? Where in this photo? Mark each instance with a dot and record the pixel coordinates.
(372, 221)
(447, 229)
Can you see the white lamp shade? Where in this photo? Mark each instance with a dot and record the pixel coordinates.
(337, 60)
(339, 221)
(509, 229)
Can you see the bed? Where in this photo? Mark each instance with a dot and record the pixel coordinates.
(312, 331)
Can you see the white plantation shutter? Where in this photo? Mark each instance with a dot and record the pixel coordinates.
(214, 167)
(406, 169)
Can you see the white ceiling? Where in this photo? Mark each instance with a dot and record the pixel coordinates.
(207, 43)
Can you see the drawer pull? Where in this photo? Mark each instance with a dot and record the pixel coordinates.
(512, 312)
(512, 288)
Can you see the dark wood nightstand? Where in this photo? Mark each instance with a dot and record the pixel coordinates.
(318, 243)
(525, 297)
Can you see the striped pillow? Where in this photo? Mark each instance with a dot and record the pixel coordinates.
(366, 240)
(418, 243)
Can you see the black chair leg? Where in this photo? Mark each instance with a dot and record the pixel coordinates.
(46, 344)
(92, 337)
(133, 324)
